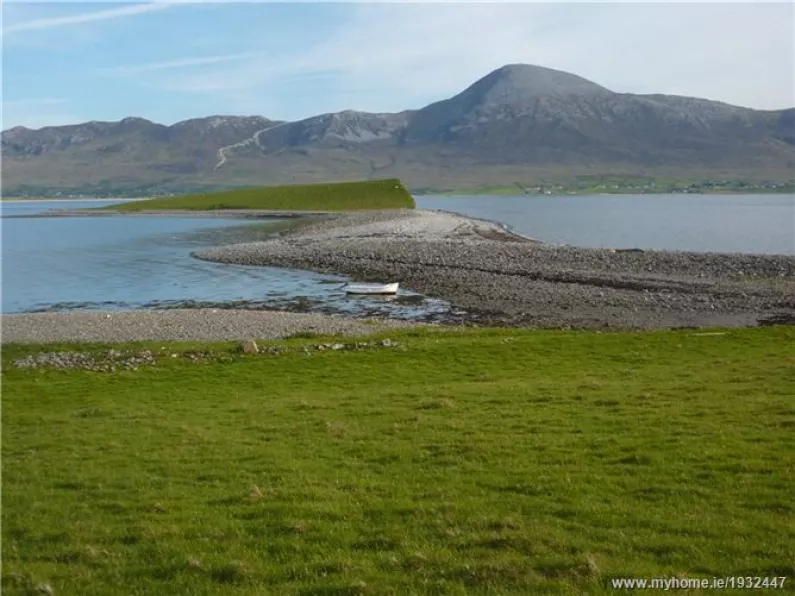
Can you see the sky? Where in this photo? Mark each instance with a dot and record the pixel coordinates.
(67, 62)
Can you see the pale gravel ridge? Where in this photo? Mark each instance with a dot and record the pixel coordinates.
(404, 224)
(180, 324)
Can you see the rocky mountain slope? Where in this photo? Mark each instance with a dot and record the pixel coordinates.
(518, 123)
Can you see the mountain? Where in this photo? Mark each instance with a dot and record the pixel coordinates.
(519, 122)
(134, 152)
(526, 115)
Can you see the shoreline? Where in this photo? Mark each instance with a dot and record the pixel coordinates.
(91, 200)
(493, 275)
(200, 324)
(503, 226)
(220, 214)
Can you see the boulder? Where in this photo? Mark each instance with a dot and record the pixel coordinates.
(249, 347)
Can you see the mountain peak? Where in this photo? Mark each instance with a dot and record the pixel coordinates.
(511, 92)
(135, 123)
(218, 121)
(15, 132)
(526, 81)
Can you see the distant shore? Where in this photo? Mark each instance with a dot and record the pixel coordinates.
(507, 191)
(62, 200)
(220, 213)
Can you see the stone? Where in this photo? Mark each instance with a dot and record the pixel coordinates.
(249, 347)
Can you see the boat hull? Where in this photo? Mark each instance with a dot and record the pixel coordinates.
(372, 288)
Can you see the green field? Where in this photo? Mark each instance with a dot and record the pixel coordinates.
(606, 184)
(341, 196)
(460, 462)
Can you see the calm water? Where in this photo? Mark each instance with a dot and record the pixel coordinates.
(701, 223)
(131, 262)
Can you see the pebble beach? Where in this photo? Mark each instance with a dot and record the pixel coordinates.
(501, 278)
(181, 325)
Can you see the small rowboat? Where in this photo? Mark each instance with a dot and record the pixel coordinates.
(372, 288)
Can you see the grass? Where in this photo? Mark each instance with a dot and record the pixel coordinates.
(343, 196)
(600, 185)
(464, 462)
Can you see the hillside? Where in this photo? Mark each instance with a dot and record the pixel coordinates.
(519, 123)
(345, 196)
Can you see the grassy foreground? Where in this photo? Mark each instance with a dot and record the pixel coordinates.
(472, 462)
(341, 196)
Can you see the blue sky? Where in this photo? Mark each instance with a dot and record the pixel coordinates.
(65, 62)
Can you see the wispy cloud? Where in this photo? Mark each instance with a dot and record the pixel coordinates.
(85, 17)
(395, 56)
(406, 52)
(127, 69)
(293, 62)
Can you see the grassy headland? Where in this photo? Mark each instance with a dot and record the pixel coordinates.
(463, 462)
(341, 196)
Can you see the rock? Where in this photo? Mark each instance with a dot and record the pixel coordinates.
(194, 563)
(249, 347)
(337, 346)
(109, 362)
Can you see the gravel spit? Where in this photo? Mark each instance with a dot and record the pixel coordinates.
(504, 279)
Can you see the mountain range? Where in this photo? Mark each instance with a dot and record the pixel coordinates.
(518, 123)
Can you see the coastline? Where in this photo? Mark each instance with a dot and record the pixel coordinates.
(219, 214)
(201, 324)
(62, 200)
(484, 269)
(504, 227)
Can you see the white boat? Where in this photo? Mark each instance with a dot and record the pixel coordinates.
(372, 288)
